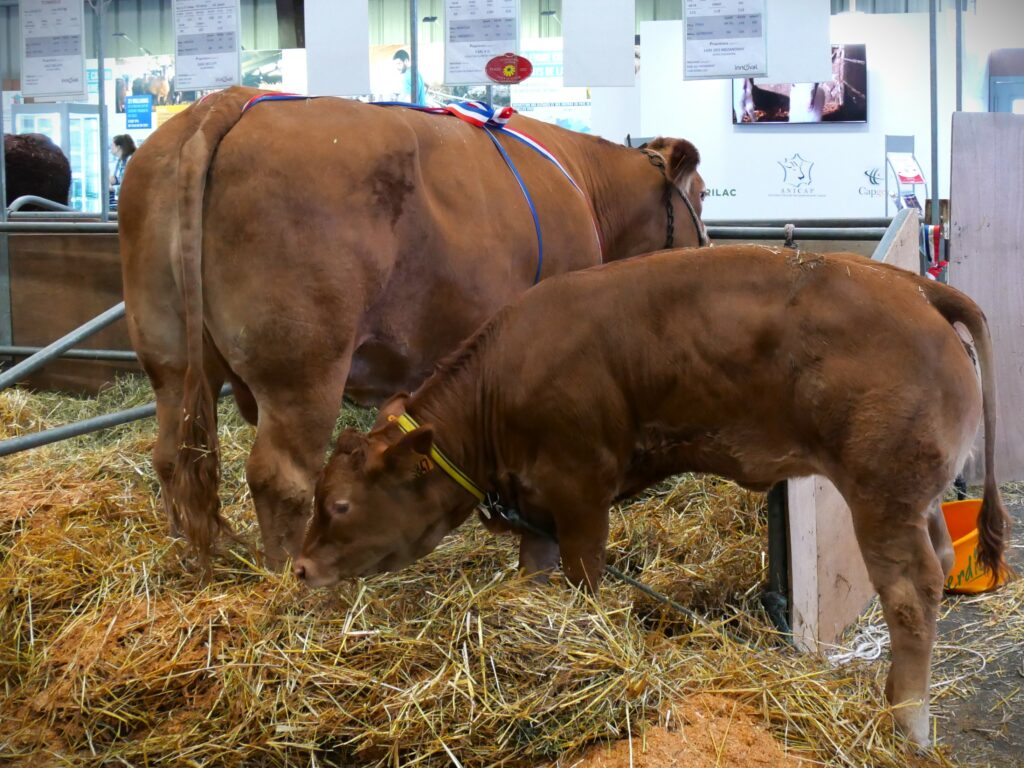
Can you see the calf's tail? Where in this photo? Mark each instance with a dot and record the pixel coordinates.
(993, 519)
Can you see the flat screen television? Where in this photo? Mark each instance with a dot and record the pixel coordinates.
(843, 99)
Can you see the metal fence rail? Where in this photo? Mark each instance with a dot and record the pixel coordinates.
(84, 427)
(52, 351)
(805, 233)
(113, 355)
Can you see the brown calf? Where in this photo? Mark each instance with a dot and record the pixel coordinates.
(739, 361)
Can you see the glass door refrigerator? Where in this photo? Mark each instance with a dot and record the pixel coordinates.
(75, 128)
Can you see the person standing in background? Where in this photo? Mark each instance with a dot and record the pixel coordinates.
(402, 64)
(122, 147)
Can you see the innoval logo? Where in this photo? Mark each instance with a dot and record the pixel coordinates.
(796, 171)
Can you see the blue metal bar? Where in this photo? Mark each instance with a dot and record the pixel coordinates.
(807, 233)
(66, 342)
(116, 355)
(18, 203)
(48, 436)
(95, 424)
(59, 227)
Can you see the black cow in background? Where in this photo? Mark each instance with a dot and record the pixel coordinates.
(35, 166)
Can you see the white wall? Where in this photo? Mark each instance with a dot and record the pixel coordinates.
(744, 160)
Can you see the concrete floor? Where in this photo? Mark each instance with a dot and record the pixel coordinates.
(985, 728)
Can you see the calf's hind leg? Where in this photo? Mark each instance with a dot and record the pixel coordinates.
(904, 568)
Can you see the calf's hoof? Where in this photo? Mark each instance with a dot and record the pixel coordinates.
(912, 721)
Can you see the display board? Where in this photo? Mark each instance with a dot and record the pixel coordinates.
(987, 263)
(338, 47)
(599, 43)
(53, 49)
(725, 39)
(207, 41)
(475, 31)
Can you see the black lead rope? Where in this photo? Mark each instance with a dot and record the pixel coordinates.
(511, 516)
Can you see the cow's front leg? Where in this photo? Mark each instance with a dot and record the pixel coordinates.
(582, 539)
(294, 429)
(538, 556)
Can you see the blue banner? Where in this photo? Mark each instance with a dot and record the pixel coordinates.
(138, 111)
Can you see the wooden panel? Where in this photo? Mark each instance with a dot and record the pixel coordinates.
(986, 232)
(829, 582)
(59, 282)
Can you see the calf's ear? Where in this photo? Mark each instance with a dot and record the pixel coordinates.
(412, 444)
(395, 406)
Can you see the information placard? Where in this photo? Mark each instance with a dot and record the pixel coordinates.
(724, 39)
(475, 31)
(53, 50)
(206, 44)
(906, 168)
(138, 111)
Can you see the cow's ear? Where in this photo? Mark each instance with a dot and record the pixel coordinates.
(681, 159)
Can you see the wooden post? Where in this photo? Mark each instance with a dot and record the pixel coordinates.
(987, 263)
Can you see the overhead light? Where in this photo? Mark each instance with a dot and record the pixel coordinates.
(124, 35)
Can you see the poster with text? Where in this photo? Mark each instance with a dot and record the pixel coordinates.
(544, 96)
(206, 44)
(475, 31)
(724, 39)
(53, 53)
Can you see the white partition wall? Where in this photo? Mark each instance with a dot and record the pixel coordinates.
(337, 47)
(598, 42)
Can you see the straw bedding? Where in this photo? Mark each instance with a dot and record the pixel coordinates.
(113, 651)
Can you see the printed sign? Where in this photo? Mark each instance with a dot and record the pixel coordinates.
(509, 69)
(475, 31)
(138, 111)
(53, 53)
(206, 44)
(906, 168)
(92, 79)
(725, 39)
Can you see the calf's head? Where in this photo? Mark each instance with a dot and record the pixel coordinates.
(380, 504)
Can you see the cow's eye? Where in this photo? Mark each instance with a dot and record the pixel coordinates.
(704, 195)
(339, 507)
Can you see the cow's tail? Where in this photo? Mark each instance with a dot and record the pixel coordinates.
(993, 520)
(194, 484)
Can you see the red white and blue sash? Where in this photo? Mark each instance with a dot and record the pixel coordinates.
(492, 121)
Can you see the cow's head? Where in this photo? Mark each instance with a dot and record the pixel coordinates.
(380, 504)
(681, 161)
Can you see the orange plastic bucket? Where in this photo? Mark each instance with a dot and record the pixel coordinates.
(966, 577)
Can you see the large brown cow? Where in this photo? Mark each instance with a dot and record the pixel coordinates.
(739, 361)
(307, 243)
